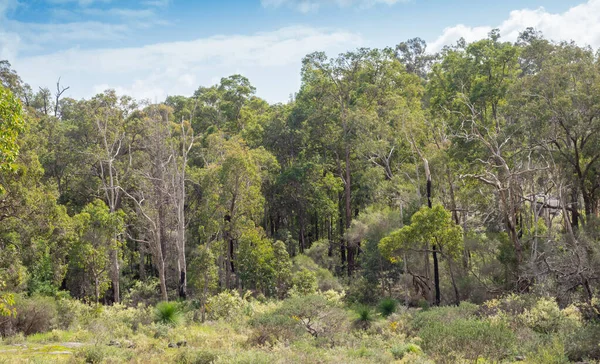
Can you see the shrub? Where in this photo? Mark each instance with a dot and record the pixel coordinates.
(318, 317)
(399, 351)
(364, 317)
(467, 338)
(195, 357)
(73, 313)
(142, 292)
(362, 291)
(226, 304)
(92, 354)
(387, 306)
(34, 314)
(326, 281)
(270, 328)
(444, 315)
(546, 317)
(583, 344)
(305, 283)
(168, 313)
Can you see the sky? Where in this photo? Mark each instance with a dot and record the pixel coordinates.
(151, 49)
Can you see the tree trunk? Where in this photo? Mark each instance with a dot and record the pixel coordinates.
(436, 269)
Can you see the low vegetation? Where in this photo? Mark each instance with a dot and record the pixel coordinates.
(301, 329)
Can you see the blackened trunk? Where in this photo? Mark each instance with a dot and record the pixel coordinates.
(436, 270)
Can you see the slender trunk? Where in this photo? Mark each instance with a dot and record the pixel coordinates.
(454, 286)
(436, 270)
(97, 288)
(114, 274)
(163, 281)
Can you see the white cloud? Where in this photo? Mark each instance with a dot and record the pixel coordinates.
(580, 23)
(306, 6)
(271, 60)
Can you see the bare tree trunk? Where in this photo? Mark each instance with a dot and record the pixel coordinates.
(436, 269)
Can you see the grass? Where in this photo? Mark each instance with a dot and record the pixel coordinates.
(168, 313)
(387, 306)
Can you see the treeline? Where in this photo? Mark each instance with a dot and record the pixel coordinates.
(442, 177)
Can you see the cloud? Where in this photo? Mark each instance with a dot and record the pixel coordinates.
(270, 59)
(306, 6)
(580, 23)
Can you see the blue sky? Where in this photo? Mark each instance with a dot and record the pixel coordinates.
(154, 48)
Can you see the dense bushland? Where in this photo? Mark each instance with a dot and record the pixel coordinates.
(401, 206)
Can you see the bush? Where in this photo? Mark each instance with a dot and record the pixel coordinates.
(195, 357)
(364, 317)
(444, 315)
(92, 354)
(316, 315)
(145, 292)
(399, 351)
(387, 306)
(583, 343)
(362, 291)
(270, 328)
(168, 313)
(466, 338)
(227, 304)
(305, 283)
(34, 315)
(545, 317)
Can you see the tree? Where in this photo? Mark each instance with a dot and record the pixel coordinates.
(428, 225)
(96, 226)
(469, 87)
(11, 124)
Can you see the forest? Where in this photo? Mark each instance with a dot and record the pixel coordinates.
(402, 206)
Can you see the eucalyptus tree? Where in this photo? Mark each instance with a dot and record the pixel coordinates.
(469, 89)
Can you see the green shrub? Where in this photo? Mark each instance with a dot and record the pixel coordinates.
(364, 317)
(387, 306)
(552, 352)
(305, 283)
(423, 304)
(319, 317)
(270, 328)
(34, 314)
(399, 351)
(362, 291)
(444, 315)
(195, 357)
(544, 317)
(168, 313)
(227, 304)
(584, 343)
(92, 354)
(145, 292)
(466, 338)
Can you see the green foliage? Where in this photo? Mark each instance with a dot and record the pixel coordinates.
(468, 338)
(226, 304)
(428, 226)
(11, 124)
(7, 302)
(304, 283)
(189, 356)
(387, 306)
(582, 343)
(364, 317)
(270, 328)
(400, 351)
(319, 317)
(93, 354)
(168, 313)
